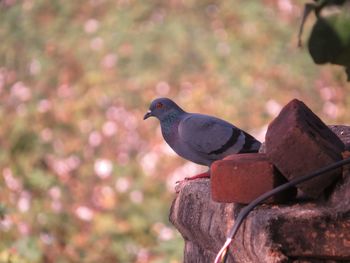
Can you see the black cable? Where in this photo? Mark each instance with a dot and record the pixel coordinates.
(246, 210)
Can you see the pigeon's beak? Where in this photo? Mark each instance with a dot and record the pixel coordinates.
(148, 114)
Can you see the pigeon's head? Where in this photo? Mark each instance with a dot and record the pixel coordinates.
(162, 107)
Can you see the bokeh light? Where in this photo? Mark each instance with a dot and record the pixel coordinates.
(82, 177)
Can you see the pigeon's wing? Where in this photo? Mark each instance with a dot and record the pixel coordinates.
(208, 135)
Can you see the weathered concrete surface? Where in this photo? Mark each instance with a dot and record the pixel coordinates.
(316, 231)
(343, 132)
(204, 224)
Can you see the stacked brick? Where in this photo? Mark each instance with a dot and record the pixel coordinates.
(240, 178)
(297, 143)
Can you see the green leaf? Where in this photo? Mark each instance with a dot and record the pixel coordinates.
(329, 40)
(25, 142)
(28, 248)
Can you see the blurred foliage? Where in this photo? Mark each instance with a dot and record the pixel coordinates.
(82, 177)
(329, 41)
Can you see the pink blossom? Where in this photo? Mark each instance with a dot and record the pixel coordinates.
(109, 128)
(103, 168)
(84, 213)
(91, 26)
(95, 139)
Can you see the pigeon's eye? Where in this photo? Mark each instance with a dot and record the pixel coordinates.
(159, 105)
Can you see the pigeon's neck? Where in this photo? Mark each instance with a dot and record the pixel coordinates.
(170, 120)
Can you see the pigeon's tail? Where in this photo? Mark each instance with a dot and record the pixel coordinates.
(251, 144)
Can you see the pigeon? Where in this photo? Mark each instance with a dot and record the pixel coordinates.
(199, 138)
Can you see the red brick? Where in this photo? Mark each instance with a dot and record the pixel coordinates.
(241, 178)
(298, 143)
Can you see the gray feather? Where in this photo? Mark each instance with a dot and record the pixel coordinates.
(199, 138)
(204, 133)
